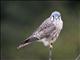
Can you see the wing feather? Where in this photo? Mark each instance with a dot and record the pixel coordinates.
(45, 29)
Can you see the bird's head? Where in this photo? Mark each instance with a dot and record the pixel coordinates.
(55, 15)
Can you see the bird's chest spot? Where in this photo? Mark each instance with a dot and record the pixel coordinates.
(58, 24)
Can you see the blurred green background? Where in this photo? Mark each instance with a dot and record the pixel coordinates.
(20, 18)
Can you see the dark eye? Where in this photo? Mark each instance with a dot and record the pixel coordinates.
(53, 16)
(58, 16)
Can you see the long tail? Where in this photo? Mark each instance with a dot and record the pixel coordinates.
(27, 42)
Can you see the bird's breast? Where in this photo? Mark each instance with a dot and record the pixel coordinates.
(59, 24)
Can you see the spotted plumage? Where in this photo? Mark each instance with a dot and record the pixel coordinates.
(47, 32)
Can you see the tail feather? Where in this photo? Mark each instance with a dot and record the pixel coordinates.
(27, 42)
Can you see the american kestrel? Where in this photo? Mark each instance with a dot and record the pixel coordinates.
(48, 31)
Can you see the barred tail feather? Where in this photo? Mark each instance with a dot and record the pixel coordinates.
(27, 42)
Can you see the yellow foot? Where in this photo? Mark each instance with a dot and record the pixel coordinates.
(51, 46)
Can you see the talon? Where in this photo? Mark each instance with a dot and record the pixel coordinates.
(51, 46)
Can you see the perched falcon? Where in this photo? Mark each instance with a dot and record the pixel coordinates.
(48, 31)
